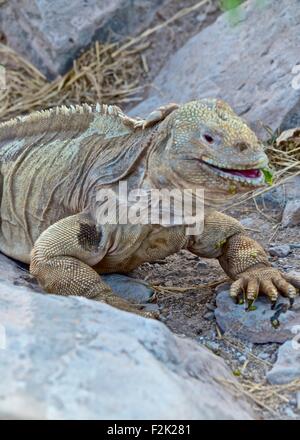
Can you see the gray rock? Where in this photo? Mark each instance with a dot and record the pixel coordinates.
(212, 345)
(249, 222)
(255, 326)
(289, 412)
(292, 118)
(247, 64)
(276, 198)
(136, 291)
(71, 358)
(282, 250)
(209, 316)
(264, 356)
(287, 366)
(291, 213)
(129, 288)
(298, 400)
(51, 33)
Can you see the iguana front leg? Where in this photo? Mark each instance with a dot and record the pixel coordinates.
(246, 262)
(62, 257)
(242, 258)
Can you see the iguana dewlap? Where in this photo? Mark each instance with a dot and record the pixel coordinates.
(54, 163)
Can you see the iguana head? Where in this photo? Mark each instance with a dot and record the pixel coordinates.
(208, 145)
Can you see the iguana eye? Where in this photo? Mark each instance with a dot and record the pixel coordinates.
(208, 138)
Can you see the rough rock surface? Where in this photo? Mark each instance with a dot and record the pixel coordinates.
(248, 64)
(281, 250)
(291, 213)
(131, 289)
(278, 197)
(255, 326)
(75, 358)
(51, 33)
(287, 366)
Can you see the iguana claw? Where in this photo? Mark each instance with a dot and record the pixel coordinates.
(268, 281)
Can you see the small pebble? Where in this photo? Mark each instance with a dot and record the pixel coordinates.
(282, 250)
(201, 265)
(289, 412)
(209, 316)
(201, 18)
(263, 356)
(214, 346)
(210, 307)
(242, 358)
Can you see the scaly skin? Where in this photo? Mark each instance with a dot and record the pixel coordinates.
(54, 163)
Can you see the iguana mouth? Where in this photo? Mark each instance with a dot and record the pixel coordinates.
(252, 176)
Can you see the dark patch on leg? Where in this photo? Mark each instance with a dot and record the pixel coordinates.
(88, 236)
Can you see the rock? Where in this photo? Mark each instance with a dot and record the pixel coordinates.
(51, 33)
(209, 316)
(129, 288)
(264, 356)
(276, 198)
(287, 367)
(292, 118)
(75, 358)
(133, 290)
(255, 326)
(249, 222)
(212, 345)
(291, 213)
(201, 265)
(289, 412)
(282, 250)
(247, 64)
(210, 307)
(298, 400)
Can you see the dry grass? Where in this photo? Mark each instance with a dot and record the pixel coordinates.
(263, 395)
(106, 73)
(95, 76)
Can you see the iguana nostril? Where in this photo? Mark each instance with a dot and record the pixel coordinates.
(242, 146)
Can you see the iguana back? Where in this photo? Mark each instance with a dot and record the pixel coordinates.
(50, 162)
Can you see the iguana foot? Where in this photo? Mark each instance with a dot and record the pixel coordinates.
(265, 280)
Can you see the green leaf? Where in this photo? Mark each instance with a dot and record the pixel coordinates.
(268, 175)
(226, 5)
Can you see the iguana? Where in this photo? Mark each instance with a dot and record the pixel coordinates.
(54, 162)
